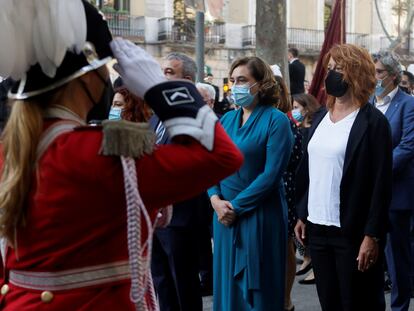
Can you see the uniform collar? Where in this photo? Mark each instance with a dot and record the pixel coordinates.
(62, 112)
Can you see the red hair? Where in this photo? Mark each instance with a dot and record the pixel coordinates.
(358, 70)
(135, 108)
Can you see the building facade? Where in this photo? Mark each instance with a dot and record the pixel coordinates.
(161, 26)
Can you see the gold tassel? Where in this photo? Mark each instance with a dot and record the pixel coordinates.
(125, 138)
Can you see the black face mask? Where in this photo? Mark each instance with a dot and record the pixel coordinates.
(100, 110)
(405, 89)
(335, 84)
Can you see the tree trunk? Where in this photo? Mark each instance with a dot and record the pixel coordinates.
(271, 41)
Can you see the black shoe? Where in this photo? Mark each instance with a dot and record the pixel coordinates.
(206, 292)
(206, 289)
(305, 270)
(307, 282)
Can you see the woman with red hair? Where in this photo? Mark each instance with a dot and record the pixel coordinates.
(344, 186)
(127, 106)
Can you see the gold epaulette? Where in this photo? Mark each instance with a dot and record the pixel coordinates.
(124, 138)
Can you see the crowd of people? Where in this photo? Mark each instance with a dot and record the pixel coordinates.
(148, 193)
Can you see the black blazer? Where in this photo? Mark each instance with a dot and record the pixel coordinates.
(366, 185)
(297, 77)
(187, 213)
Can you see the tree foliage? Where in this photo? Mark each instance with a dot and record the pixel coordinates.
(402, 7)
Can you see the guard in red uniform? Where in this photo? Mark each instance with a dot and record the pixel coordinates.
(78, 203)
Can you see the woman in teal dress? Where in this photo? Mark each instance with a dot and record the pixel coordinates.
(250, 221)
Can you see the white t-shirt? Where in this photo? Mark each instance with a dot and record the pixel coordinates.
(326, 161)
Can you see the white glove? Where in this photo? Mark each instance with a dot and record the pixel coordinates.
(138, 69)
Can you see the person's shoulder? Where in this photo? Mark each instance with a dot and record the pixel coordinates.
(276, 115)
(112, 138)
(373, 114)
(228, 115)
(405, 99)
(80, 137)
(274, 112)
(320, 113)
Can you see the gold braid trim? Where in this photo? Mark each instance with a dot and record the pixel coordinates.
(128, 139)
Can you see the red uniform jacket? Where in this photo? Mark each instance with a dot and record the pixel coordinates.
(76, 214)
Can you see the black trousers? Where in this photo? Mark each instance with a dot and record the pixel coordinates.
(340, 286)
(205, 256)
(174, 269)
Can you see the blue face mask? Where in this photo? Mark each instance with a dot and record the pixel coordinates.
(379, 89)
(241, 96)
(297, 115)
(115, 113)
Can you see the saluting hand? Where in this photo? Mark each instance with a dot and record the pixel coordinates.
(138, 69)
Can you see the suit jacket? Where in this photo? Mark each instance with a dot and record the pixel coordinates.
(297, 77)
(365, 189)
(190, 212)
(400, 115)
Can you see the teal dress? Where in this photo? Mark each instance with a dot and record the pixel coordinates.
(249, 256)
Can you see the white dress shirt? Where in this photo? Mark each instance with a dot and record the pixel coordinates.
(326, 161)
(383, 104)
(292, 60)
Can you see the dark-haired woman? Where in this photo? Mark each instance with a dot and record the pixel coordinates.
(285, 106)
(250, 209)
(304, 108)
(344, 186)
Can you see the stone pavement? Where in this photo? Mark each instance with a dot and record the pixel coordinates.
(304, 298)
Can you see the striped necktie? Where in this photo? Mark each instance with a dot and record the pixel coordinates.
(159, 132)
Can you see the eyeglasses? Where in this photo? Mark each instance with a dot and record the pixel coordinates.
(380, 71)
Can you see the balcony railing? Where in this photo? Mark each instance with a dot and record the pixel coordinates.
(305, 39)
(215, 33)
(172, 30)
(406, 46)
(126, 25)
(248, 35)
(363, 40)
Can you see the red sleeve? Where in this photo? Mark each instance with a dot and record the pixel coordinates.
(176, 172)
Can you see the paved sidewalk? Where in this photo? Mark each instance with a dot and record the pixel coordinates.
(304, 298)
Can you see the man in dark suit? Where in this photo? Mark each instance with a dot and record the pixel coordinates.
(398, 107)
(175, 257)
(210, 79)
(296, 72)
